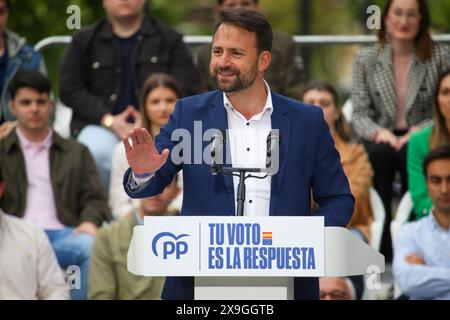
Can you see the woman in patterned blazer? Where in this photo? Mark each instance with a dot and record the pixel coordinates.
(393, 87)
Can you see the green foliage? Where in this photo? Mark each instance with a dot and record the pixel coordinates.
(39, 19)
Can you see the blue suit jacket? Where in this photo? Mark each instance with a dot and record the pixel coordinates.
(309, 164)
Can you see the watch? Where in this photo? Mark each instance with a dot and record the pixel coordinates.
(108, 121)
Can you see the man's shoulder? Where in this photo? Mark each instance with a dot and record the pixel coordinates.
(8, 141)
(201, 100)
(113, 232)
(70, 146)
(67, 142)
(415, 228)
(86, 33)
(22, 228)
(152, 22)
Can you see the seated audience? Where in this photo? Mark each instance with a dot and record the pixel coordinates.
(50, 181)
(108, 274)
(421, 251)
(104, 68)
(393, 86)
(354, 159)
(158, 96)
(427, 139)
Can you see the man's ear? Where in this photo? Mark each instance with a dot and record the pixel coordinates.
(264, 60)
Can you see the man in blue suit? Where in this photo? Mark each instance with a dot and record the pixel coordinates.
(309, 164)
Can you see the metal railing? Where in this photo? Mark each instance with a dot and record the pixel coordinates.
(304, 40)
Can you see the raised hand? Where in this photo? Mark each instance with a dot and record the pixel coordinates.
(142, 155)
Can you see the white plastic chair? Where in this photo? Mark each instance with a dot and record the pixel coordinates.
(376, 229)
(401, 217)
(63, 116)
(347, 110)
(379, 216)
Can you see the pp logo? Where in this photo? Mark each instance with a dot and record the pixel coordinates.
(170, 246)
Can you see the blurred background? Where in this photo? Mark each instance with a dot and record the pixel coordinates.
(40, 19)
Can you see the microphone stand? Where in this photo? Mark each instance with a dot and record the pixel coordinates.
(241, 173)
(217, 168)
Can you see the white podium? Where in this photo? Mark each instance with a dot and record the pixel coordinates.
(242, 258)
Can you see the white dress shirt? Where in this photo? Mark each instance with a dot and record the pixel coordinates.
(248, 150)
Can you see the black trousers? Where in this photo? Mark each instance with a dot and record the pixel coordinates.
(386, 161)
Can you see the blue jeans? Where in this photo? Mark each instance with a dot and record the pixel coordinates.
(101, 143)
(73, 250)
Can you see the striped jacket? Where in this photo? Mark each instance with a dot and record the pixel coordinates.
(374, 97)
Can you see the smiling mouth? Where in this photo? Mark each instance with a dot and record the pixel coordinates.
(226, 73)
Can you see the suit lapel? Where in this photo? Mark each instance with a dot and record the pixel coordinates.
(280, 120)
(384, 80)
(415, 79)
(219, 120)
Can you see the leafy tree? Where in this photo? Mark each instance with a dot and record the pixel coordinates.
(40, 19)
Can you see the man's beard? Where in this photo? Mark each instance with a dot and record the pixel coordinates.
(240, 83)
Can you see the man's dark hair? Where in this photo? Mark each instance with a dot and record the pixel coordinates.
(436, 154)
(220, 2)
(29, 79)
(251, 21)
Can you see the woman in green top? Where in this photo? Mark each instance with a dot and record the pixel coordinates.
(427, 139)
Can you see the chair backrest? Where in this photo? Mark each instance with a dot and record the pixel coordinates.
(379, 215)
(347, 110)
(401, 217)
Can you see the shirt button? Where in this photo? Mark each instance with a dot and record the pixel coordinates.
(113, 97)
(96, 65)
(248, 123)
(154, 59)
(250, 201)
(248, 149)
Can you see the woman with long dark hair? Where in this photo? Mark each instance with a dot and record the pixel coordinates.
(425, 140)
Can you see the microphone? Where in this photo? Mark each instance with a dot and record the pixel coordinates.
(217, 141)
(273, 152)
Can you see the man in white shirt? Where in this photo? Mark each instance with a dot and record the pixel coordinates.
(28, 266)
